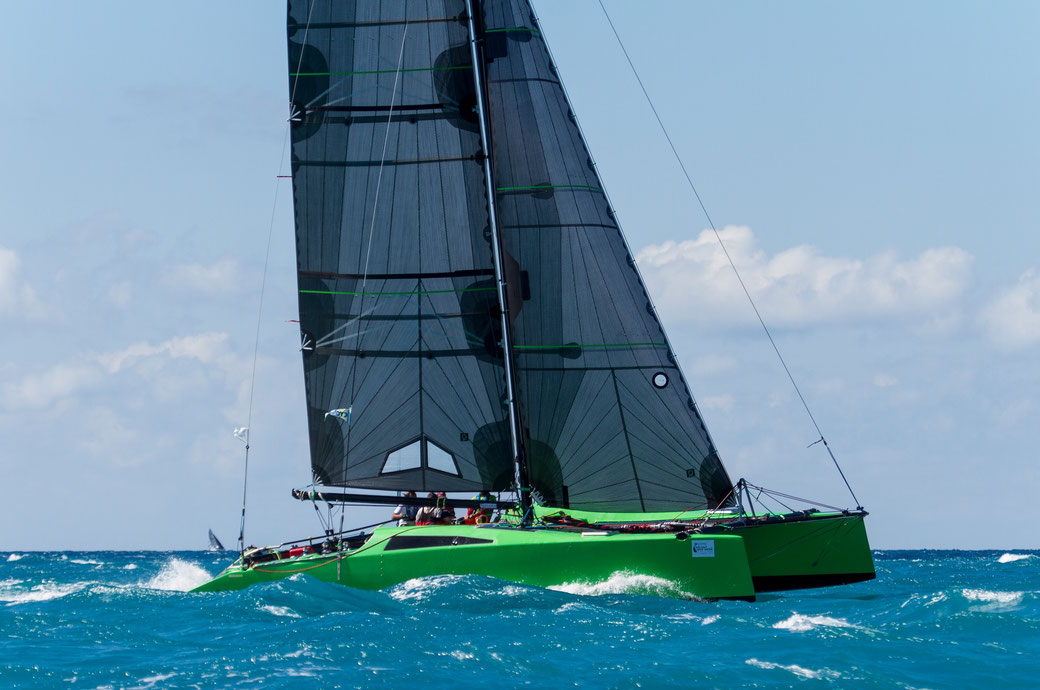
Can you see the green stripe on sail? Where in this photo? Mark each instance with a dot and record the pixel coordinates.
(513, 28)
(376, 71)
(392, 294)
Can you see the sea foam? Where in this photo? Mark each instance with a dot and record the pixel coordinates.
(797, 670)
(799, 623)
(1012, 557)
(15, 557)
(624, 583)
(177, 575)
(993, 601)
(43, 592)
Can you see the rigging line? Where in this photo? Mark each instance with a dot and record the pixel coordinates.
(722, 244)
(303, 45)
(256, 346)
(260, 306)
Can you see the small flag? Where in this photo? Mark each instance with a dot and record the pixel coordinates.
(242, 432)
(342, 413)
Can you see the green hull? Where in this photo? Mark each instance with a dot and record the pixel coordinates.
(733, 562)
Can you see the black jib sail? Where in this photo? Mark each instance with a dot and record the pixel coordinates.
(398, 309)
(609, 419)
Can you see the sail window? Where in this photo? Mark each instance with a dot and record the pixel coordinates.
(660, 380)
(407, 458)
(439, 459)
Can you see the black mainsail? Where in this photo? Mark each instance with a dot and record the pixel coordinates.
(401, 335)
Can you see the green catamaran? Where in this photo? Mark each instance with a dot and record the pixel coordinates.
(472, 320)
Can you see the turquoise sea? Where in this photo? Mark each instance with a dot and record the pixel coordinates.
(932, 619)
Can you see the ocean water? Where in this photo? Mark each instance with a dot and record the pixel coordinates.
(932, 619)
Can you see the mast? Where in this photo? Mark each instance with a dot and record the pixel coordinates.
(522, 483)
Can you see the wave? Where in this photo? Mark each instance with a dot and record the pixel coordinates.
(625, 583)
(799, 623)
(13, 595)
(1012, 557)
(177, 575)
(991, 600)
(797, 670)
(420, 588)
(15, 557)
(282, 611)
(151, 681)
(85, 561)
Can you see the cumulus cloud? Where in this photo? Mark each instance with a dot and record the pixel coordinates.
(41, 390)
(1013, 317)
(223, 276)
(16, 296)
(205, 347)
(692, 280)
(66, 379)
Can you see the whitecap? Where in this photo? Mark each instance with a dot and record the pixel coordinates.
(1012, 557)
(15, 557)
(461, 655)
(624, 583)
(993, 601)
(709, 620)
(85, 561)
(130, 566)
(797, 670)
(150, 681)
(178, 576)
(799, 623)
(42, 592)
(419, 588)
(283, 611)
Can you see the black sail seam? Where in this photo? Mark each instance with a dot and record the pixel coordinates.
(376, 163)
(628, 441)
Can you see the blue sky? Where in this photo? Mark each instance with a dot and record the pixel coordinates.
(874, 167)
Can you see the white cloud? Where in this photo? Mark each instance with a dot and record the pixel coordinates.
(692, 280)
(65, 379)
(16, 296)
(716, 402)
(41, 390)
(1013, 318)
(223, 276)
(712, 364)
(205, 347)
(885, 380)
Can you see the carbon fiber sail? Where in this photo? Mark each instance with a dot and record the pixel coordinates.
(403, 367)
(400, 321)
(609, 421)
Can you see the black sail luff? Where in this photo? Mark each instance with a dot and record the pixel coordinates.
(397, 300)
(599, 434)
